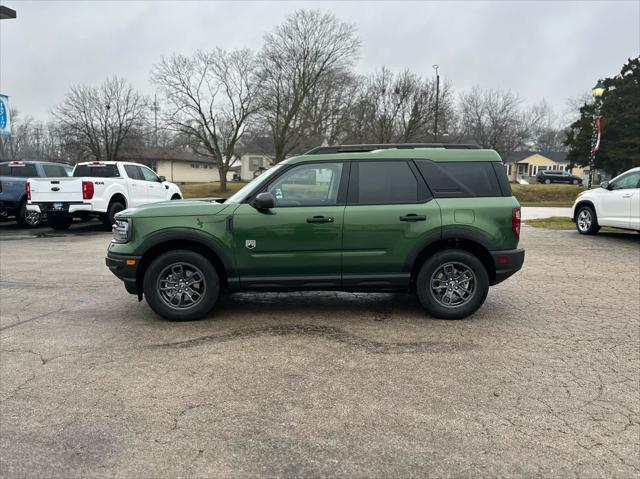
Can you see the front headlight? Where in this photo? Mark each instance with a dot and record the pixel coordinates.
(121, 230)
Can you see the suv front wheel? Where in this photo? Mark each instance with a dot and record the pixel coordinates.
(452, 284)
(181, 285)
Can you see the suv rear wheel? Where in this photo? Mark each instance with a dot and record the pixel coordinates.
(452, 284)
(587, 221)
(181, 285)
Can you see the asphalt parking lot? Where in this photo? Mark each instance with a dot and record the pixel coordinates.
(543, 381)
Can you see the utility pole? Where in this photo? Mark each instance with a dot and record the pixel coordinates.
(155, 120)
(435, 126)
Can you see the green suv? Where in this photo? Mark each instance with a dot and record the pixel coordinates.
(438, 220)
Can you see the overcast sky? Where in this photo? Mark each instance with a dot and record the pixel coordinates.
(550, 50)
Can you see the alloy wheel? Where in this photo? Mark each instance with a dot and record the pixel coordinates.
(181, 285)
(453, 284)
(32, 218)
(584, 220)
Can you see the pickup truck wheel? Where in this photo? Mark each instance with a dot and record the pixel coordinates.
(452, 284)
(109, 218)
(60, 223)
(587, 221)
(181, 285)
(28, 219)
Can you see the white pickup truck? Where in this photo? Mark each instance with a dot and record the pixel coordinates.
(97, 188)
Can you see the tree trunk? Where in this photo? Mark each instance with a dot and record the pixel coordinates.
(222, 172)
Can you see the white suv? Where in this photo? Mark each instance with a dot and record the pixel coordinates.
(616, 204)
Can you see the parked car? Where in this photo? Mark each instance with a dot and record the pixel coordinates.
(438, 221)
(616, 204)
(13, 192)
(97, 188)
(557, 176)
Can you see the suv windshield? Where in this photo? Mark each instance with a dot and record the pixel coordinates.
(243, 192)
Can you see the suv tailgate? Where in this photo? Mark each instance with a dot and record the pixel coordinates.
(48, 190)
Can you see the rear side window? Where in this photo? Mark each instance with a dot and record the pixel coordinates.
(53, 171)
(19, 171)
(466, 179)
(383, 182)
(98, 171)
(133, 172)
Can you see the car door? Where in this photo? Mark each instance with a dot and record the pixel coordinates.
(298, 243)
(615, 202)
(155, 189)
(137, 186)
(389, 215)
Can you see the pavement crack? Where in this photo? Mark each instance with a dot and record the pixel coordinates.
(326, 332)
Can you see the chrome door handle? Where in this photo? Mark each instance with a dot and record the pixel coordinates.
(627, 196)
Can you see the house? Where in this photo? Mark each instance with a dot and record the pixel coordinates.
(178, 166)
(525, 165)
(252, 165)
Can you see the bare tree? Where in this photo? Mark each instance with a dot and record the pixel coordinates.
(211, 101)
(308, 50)
(494, 119)
(397, 108)
(101, 119)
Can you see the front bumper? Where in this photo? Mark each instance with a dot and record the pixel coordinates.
(507, 263)
(125, 267)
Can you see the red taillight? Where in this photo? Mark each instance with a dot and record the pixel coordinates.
(28, 188)
(87, 190)
(515, 222)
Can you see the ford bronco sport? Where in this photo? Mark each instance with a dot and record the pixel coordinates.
(438, 220)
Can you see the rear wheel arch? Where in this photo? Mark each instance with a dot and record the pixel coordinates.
(117, 197)
(468, 245)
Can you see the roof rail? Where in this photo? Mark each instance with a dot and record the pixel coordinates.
(324, 150)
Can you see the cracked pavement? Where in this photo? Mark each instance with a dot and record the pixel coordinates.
(543, 381)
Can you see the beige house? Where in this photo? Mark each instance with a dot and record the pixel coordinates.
(179, 166)
(525, 165)
(252, 165)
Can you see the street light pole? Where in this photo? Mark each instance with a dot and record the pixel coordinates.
(435, 125)
(597, 92)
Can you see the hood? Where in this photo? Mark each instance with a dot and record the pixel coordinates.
(195, 207)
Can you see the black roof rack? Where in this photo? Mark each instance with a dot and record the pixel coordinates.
(325, 150)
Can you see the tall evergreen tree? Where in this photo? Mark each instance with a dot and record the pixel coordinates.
(620, 139)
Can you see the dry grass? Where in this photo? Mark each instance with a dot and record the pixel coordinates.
(546, 195)
(207, 190)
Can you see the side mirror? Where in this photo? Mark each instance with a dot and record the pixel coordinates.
(604, 185)
(162, 179)
(264, 201)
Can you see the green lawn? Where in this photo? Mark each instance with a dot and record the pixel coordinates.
(546, 195)
(206, 190)
(553, 223)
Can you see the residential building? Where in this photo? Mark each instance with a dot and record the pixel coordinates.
(525, 165)
(252, 165)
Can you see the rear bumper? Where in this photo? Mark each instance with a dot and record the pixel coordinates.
(66, 208)
(125, 267)
(507, 263)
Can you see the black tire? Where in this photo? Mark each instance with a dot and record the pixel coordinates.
(28, 219)
(477, 283)
(587, 221)
(176, 197)
(575, 182)
(114, 208)
(160, 270)
(60, 223)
